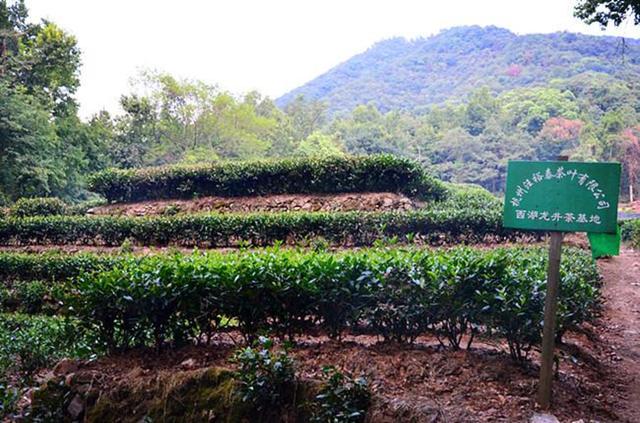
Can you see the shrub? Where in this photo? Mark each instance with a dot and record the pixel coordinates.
(45, 206)
(9, 397)
(398, 294)
(28, 343)
(152, 301)
(458, 283)
(631, 232)
(286, 176)
(342, 400)
(266, 377)
(258, 229)
(399, 309)
(29, 297)
(515, 303)
(467, 196)
(52, 266)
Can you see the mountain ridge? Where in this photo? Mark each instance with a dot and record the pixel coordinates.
(397, 73)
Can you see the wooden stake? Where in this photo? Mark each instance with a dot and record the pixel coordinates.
(550, 309)
(549, 331)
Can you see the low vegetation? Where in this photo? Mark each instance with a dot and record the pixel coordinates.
(631, 232)
(257, 229)
(398, 294)
(336, 174)
(29, 343)
(52, 265)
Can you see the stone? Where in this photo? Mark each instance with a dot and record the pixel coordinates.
(188, 364)
(543, 418)
(65, 366)
(76, 407)
(68, 379)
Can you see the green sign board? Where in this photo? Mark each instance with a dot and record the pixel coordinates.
(562, 196)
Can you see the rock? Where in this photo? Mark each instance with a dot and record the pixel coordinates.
(65, 366)
(543, 418)
(68, 379)
(83, 389)
(76, 407)
(188, 364)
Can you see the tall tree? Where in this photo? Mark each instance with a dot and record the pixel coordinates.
(604, 12)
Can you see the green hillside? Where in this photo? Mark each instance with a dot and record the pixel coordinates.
(401, 74)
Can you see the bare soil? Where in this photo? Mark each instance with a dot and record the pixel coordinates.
(384, 201)
(421, 382)
(620, 327)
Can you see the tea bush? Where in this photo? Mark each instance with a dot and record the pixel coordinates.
(43, 206)
(28, 343)
(342, 399)
(266, 376)
(258, 229)
(467, 196)
(382, 173)
(396, 293)
(51, 266)
(29, 297)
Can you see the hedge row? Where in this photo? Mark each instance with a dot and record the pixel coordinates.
(380, 173)
(631, 232)
(398, 294)
(257, 229)
(52, 266)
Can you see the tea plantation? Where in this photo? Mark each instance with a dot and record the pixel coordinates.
(400, 277)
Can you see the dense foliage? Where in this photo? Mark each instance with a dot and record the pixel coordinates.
(604, 12)
(46, 150)
(259, 229)
(28, 343)
(398, 294)
(266, 377)
(290, 176)
(631, 232)
(514, 97)
(511, 97)
(398, 73)
(51, 266)
(469, 99)
(342, 400)
(26, 207)
(29, 297)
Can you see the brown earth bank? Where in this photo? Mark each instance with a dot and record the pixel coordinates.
(384, 201)
(620, 326)
(421, 383)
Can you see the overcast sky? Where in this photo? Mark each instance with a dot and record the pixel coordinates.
(271, 46)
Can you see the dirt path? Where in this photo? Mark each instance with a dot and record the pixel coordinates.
(622, 325)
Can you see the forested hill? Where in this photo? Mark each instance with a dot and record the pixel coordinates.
(401, 74)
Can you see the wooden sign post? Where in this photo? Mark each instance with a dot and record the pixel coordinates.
(559, 197)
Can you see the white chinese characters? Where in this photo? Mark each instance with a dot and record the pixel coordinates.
(568, 217)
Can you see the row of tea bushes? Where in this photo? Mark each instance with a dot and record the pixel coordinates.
(52, 266)
(382, 173)
(398, 294)
(47, 206)
(258, 229)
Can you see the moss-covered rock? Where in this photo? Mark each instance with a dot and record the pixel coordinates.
(203, 395)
